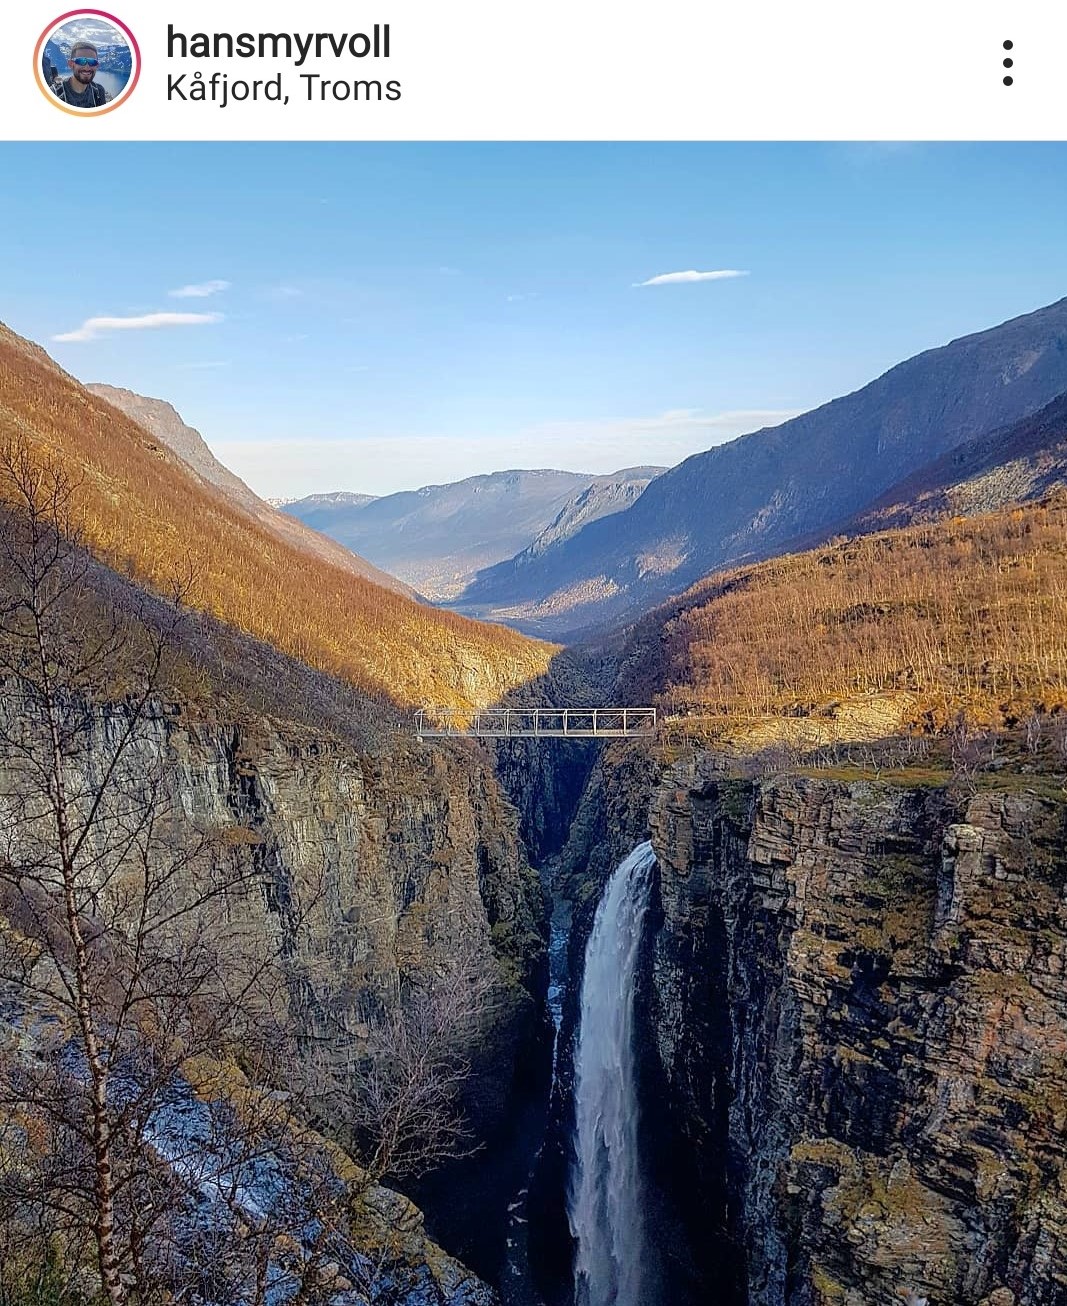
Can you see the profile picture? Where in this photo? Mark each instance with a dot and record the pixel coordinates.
(87, 62)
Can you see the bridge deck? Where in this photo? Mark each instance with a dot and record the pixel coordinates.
(537, 722)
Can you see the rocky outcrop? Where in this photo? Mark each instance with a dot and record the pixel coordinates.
(409, 856)
(1021, 462)
(858, 1009)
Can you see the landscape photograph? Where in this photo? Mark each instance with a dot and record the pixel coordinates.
(533, 725)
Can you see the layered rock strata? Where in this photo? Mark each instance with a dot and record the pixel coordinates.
(859, 1012)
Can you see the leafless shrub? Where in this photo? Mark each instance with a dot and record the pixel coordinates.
(966, 752)
(405, 1098)
(396, 1101)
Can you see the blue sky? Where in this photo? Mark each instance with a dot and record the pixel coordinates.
(376, 317)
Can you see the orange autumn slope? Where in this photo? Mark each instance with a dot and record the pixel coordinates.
(961, 613)
(145, 513)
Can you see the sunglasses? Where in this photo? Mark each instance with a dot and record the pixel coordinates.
(86, 63)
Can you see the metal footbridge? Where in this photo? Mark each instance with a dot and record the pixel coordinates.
(536, 722)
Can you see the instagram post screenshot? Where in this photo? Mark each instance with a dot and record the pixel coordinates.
(533, 654)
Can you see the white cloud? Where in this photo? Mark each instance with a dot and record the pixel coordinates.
(86, 28)
(677, 278)
(384, 464)
(93, 327)
(199, 290)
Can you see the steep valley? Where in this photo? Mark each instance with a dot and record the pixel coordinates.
(806, 1040)
(849, 1012)
(852, 1015)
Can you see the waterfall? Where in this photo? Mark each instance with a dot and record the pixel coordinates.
(605, 1199)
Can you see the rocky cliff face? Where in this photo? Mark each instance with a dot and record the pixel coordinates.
(403, 860)
(859, 1013)
(418, 859)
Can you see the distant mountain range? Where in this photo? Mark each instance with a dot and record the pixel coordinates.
(966, 428)
(440, 537)
(769, 491)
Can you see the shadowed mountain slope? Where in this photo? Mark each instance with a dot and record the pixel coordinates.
(1011, 465)
(752, 497)
(439, 537)
(145, 513)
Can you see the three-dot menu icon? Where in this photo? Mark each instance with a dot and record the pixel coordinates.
(1009, 62)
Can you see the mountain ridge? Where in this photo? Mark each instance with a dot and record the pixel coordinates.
(162, 419)
(1012, 464)
(755, 495)
(439, 537)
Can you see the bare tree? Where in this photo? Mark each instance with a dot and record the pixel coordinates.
(127, 943)
(392, 1074)
(1033, 726)
(966, 753)
(135, 947)
(1059, 739)
(406, 1095)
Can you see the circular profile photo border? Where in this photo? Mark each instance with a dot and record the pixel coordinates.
(126, 91)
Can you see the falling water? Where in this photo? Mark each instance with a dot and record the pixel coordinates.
(605, 1200)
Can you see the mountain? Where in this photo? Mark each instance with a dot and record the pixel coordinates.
(438, 538)
(334, 499)
(146, 513)
(165, 423)
(600, 498)
(750, 498)
(1014, 464)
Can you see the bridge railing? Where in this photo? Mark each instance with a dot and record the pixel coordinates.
(537, 722)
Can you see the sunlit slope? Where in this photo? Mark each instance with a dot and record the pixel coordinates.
(965, 613)
(162, 421)
(144, 513)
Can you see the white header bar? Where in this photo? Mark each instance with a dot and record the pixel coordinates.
(559, 70)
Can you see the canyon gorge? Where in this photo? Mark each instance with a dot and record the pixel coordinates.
(768, 1008)
(842, 1076)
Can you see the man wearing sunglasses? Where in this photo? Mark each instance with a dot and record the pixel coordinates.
(79, 90)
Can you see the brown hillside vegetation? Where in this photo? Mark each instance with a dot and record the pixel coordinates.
(145, 515)
(965, 614)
